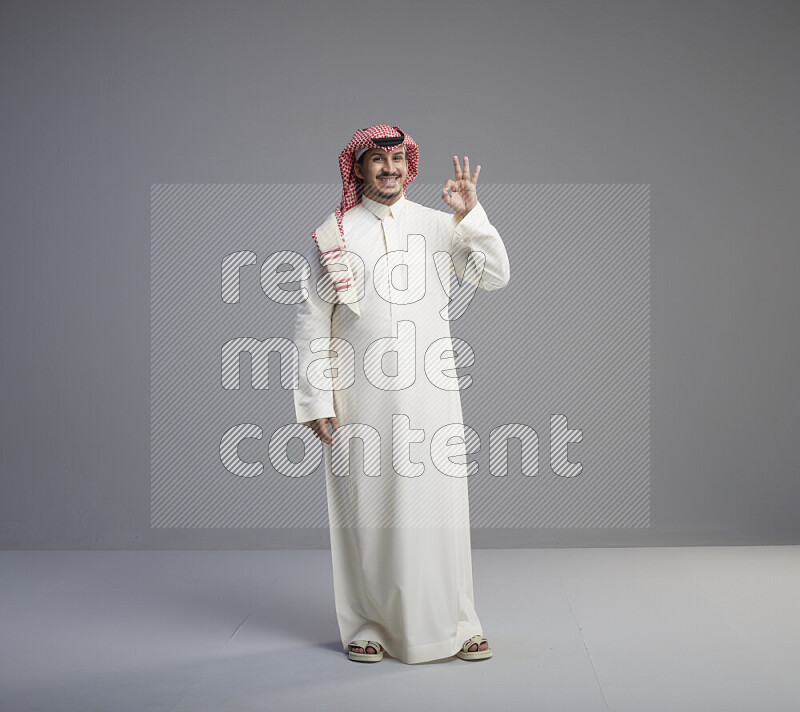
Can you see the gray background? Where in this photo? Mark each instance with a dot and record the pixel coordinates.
(101, 100)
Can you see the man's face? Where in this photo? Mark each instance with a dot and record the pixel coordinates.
(383, 174)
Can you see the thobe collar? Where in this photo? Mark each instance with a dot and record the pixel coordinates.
(381, 210)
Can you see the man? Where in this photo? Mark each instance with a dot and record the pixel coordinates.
(398, 506)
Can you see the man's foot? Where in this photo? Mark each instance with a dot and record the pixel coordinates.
(476, 648)
(483, 646)
(367, 651)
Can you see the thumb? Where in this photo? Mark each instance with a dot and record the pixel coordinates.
(334, 422)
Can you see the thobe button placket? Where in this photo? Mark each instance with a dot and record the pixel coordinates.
(390, 241)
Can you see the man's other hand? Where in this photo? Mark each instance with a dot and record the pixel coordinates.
(320, 427)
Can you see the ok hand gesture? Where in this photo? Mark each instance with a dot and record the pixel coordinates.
(460, 194)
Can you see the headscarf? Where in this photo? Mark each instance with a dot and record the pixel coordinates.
(330, 238)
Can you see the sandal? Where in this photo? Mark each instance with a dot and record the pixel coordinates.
(365, 657)
(478, 654)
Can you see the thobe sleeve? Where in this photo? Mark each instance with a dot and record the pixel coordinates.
(475, 232)
(312, 321)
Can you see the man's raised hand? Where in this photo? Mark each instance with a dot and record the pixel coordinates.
(461, 194)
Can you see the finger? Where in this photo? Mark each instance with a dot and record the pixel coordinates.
(466, 167)
(321, 431)
(328, 435)
(334, 423)
(475, 174)
(447, 195)
(457, 167)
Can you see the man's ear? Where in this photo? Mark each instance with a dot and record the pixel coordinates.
(357, 170)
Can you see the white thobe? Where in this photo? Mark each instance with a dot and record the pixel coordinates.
(399, 513)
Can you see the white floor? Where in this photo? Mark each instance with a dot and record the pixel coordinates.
(689, 628)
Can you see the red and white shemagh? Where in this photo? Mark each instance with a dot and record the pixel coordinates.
(330, 238)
